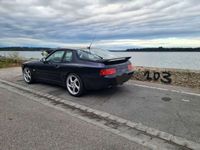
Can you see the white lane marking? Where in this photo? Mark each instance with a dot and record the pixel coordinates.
(185, 100)
(163, 89)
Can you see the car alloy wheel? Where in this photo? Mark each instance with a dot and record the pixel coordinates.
(27, 75)
(74, 85)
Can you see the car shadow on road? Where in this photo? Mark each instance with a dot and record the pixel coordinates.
(57, 90)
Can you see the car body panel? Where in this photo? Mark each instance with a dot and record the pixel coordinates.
(88, 71)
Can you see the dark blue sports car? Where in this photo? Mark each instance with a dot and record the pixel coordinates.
(79, 70)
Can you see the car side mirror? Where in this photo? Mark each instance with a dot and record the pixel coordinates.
(43, 60)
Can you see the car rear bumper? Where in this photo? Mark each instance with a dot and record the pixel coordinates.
(105, 82)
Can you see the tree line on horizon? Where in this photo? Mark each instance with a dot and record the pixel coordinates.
(162, 49)
(24, 48)
(159, 49)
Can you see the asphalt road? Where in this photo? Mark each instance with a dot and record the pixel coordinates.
(170, 111)
(26, 124)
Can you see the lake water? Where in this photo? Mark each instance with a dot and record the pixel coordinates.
(180, 60)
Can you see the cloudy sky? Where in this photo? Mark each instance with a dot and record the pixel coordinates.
(114, 24)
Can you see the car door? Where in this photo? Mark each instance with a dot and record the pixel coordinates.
(67, 64)
(50, 69)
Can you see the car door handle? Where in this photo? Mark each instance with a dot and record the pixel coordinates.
(57, 66)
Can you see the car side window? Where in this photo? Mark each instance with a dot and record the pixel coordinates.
(56, 56)
(68, 56)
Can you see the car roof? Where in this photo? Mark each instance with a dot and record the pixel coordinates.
(58, 49)
(65, 49)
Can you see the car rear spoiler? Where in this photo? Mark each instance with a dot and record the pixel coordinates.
(114, 60)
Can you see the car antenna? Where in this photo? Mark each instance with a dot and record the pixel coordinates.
(89, 47)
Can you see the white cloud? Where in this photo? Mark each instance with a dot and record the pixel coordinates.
(107, 44)
(78, 21)
(173, 42)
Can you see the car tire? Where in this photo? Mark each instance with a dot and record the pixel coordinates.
(74, 85)
(27, 75)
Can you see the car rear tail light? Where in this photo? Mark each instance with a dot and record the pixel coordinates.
(130, 67)
(105, 72)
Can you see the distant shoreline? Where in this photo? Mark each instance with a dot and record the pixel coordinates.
(154, 51)
(159, 49)
(26, 49)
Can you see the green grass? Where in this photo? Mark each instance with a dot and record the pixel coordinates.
(9, 63)
(12, 60)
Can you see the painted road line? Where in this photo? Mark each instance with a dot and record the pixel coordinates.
(149, 133)
(163, 89)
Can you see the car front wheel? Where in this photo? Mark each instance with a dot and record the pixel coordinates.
(74, 85)
(27, 75)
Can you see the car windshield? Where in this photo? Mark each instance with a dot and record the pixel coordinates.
(95, 54)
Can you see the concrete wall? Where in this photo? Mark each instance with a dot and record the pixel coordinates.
(179, 77)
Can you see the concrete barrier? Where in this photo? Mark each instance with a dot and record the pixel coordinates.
(179, 77)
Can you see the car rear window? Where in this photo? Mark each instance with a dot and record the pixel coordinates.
(88, 56)
(95, 54)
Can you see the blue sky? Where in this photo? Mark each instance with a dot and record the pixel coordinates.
(116, 24)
